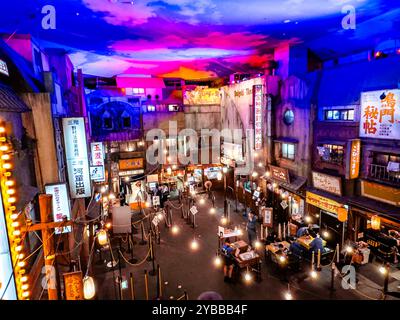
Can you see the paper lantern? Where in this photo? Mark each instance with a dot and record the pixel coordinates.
(375, 223)
(342, 214)
(102, 237)
(89, 289)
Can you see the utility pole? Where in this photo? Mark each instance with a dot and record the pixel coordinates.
(46, 226)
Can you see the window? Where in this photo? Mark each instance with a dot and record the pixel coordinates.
(132, 91)
(126, 120)
(339, 115)
(151, 108)
(288, 151)
(107, 121)
(331, 153)
(173, 108)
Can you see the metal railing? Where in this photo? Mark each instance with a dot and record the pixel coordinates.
(380, 173)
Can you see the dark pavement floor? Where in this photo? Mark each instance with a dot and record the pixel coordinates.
(184, 269)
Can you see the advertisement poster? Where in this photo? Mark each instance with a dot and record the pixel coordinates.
(380, 114)
(77, 157)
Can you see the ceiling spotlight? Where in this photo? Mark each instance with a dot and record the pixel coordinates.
(202, 201)
(308, 219)
(212, 210)
(325, 234)
(224, 221)
(382, 270)
(257, 244)
(314, 274)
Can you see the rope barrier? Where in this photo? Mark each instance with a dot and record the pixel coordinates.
(135, 264)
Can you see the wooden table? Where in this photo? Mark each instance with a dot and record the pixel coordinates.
(241, 245)
(305, 241)
(244, 262)
(274, 247)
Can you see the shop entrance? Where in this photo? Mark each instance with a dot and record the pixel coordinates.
(336, 230)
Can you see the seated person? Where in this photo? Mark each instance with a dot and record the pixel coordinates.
(227, 251)
(304, 231)
(281, 249)
(296, 248)
(317, 244)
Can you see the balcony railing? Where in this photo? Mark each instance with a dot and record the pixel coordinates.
(380, 173)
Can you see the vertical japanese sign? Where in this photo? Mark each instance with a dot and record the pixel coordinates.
(60, 202)
(73, 285)
(353, 162)
(380, 114)
(97, 151)
(77, 157)
(257, 98)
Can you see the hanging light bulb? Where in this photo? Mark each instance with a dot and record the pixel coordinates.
(217, 261)
(102, 237)
(288, 296)
(212, 210)
(89, 289)
(257, 244)
(202, 201)
(224, 169)
(194, 245)
(247, 277)
(313, 274)
(108, 225)
(308, 219)
(224, 220)
(382, 270)
(254, 174)
(175, 229)
(267, 174)
(325, 234)
(160, 216)
(349, 249)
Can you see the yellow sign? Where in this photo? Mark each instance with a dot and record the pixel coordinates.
(73, 284)
(202, 96)
(323, 203)
(381, 193)
(129, 164)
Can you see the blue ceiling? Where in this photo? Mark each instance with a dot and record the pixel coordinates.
(201, 38)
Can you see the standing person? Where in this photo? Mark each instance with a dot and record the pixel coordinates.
(251, 227)
(227, 250)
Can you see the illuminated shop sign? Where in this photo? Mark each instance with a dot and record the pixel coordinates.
(97, 173)
(380, 114)
(281, 174)
(354, 151)
(323, 203)
(258, 98)
(130, 164)
(77, 157)
(61, 206)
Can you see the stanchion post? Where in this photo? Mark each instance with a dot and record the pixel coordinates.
(153, 271)
(386, 282)
(146, 284)
(142, 242)
(333, 276)
(132, 286)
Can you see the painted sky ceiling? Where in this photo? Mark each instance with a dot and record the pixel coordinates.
(198, 38)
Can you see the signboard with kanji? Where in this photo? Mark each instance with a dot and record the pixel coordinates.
(258, 100)
(380, 114)
(73, 284)
(61, 207)
(77, 157)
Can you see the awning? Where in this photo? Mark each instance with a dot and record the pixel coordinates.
(333, 142)
(10, 102)
(294, 186)
(286, 140)
(374, 206)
